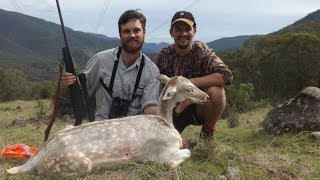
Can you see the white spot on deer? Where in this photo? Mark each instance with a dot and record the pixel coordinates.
(80, 155)
(58, 169)
(64, 163)
(101, 152)
(50, 163)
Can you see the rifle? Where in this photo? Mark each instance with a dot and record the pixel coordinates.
(75, 90)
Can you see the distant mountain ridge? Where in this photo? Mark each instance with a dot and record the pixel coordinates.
(33, 45)
(229, 42)
(314, 16)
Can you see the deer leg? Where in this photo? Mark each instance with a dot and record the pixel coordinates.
(67, 164)
(178, 157)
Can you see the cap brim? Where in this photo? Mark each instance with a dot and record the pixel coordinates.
(183, 20)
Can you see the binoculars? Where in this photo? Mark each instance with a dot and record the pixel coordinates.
(119, 108)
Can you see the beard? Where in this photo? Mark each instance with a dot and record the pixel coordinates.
(182, 46)
(132, 46)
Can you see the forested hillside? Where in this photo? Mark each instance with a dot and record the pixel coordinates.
(280, 64)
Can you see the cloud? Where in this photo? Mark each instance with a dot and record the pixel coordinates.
(86, 28)
(39, 5)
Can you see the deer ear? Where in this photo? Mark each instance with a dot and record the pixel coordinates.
(162, 78)
(170, 92)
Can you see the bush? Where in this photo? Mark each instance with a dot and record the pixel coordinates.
(239, 99)
(240, 96)
(15, 86)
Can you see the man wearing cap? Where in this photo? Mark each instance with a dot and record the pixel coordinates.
(196, 61)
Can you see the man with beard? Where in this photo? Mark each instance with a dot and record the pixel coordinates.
(122, 79)
(196, 61)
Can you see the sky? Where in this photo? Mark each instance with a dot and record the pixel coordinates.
(215, 19)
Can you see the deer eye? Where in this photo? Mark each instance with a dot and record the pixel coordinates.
(190, 89)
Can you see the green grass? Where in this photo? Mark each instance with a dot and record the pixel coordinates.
(257, 154)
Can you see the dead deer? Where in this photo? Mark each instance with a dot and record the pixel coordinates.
(141, 138)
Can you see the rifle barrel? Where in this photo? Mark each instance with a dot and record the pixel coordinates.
(62, 26)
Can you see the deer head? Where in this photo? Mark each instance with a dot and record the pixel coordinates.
(177, 89)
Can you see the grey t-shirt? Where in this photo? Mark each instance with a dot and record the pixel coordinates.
(101, 65)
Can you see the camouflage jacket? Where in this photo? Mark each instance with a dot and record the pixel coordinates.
(201, 61)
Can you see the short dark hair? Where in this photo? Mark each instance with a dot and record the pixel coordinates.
(129, 15)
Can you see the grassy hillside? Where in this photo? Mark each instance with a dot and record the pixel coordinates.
(257, 154)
